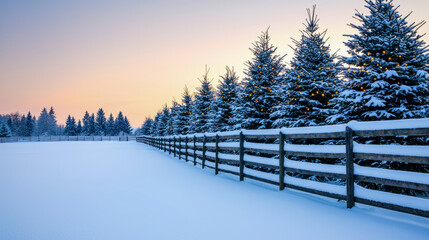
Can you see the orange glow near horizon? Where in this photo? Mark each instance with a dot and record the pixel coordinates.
(135, 56)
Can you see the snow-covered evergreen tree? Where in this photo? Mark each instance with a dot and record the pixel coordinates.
(79, 128)
(43, 122)
(22, 128)
(120, 123)
(163, 119)
(110, 126)
(91, 125)
(100, 123)
(157, 129)
(263, 74)
(4, 130)
(182, 123)
(85, 123)
(202, 107)
(174, 126)
(29, 125)
(146, 127)
(311, 82)
(127, 126)
(52, 122)
(70, 128)
(227, 92)
(386, 72)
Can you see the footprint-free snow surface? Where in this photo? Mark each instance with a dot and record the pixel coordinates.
(128, 190)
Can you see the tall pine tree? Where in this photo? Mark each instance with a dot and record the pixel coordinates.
(386, 72)
(110, 126)
(4, 130)
(86, 123)
(43, 123)
(174, 125)
(29, 125)
(52, 122)
(100, 123)
(311, 82)
(70, 128)
(147, 127)
(202, 107)
(263, 74)
(227, 92)
(185, 113)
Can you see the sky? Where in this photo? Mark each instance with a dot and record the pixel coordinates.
(137, 55)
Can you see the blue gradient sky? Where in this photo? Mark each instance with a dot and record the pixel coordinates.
(135, 56)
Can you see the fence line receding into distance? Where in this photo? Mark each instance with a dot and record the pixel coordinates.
(65, 138)
(244, 154)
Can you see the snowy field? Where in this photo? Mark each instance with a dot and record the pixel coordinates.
(128, 190)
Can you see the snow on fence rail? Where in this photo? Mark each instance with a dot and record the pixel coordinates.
(66, 138)
(206, 150)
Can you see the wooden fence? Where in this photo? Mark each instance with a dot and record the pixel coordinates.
(66, 138)
(234, 153)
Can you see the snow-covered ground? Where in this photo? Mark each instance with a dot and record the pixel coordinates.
(128, 190)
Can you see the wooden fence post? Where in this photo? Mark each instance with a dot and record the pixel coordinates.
(204, 150)
(164, 142)
(349, 168)
(195, 150)
(169, 145)
(241, 156)
(174, 146)
(217, 155)
(186, 148)
(281, 161)
(180, 148)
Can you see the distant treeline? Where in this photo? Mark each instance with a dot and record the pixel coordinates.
(98, 125)
(15, 124)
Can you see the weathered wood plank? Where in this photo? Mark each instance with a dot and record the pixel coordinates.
(241, 156)
(261, 179)
(392, 132)
(394, 207)
(281, 161)
(394, 183)
(217, 155)
(349, 168)
(315, 173)
(393, 158)
(317, 192)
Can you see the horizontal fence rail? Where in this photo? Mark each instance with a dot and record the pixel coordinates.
(66, 138)
(234, 153)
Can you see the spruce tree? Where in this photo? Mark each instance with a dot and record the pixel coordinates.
(202, 107)
(52, 122)
(43, 123)
(127, 126)
(175, 126)
(91, 125)
(227, 92)
(100, 123)
(311, 81)
(110, 126)
(146, 127)
(263, 74)
(163, 119)
(386, 72)
(182, 124)
(79, 128)
(157, 128)
(4, 130)
(70, 128)
(22, 129)
(29, 125)
(85, 122)
(120, 124)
